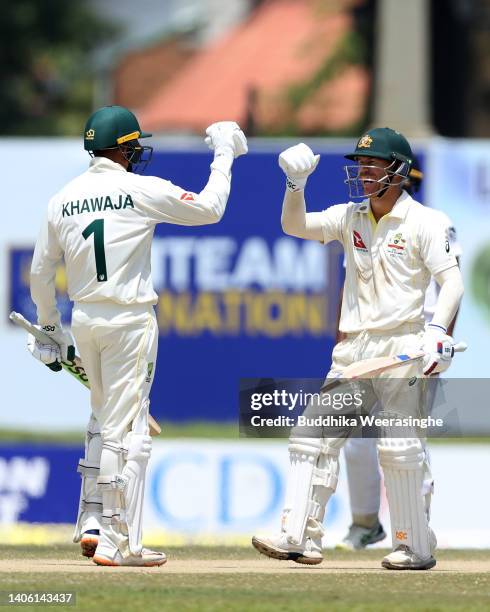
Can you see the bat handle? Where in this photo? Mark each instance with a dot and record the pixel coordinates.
(460, 347)
(40, 336)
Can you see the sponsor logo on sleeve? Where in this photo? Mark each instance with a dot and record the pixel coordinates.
(187, 196)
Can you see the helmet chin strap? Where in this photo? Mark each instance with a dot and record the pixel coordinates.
(381, 193)
(389, 181)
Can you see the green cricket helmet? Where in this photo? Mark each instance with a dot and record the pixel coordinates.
(380, 143)
(415, 178)
(112, 127)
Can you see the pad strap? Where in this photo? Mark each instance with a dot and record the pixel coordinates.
(86, 468)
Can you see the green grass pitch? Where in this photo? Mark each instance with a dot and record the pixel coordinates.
(229, 579)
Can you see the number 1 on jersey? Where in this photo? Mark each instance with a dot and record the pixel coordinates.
(97, 229)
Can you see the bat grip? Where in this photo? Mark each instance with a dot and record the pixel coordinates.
(55, 366)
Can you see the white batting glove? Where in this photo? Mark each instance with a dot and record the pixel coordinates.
(45, 353)
(298, 163)
(138, 447)
(438, 348)
(49, 354)
(63, 339)
(225, 135)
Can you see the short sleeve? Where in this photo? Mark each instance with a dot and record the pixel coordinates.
(452, 236)
(454, 243)
(435, 246)
(333, 223)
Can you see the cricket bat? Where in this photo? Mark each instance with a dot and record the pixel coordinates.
(75, 367)
(369, 368)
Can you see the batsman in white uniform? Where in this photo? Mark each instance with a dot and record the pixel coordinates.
(102, 224)
(393, 246)
(360, 454)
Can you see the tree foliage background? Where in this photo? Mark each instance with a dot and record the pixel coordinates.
(47, 65)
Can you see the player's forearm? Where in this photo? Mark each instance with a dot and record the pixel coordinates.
(214, 196)
(450, 295)
(295, 221)
(45, 260)
(452, 325)
(43, 294)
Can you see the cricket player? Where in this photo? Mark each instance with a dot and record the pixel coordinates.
(361, 456)
(393, 246)
(102, 225)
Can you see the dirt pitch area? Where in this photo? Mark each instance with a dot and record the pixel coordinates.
(261, 565)
(215, 579)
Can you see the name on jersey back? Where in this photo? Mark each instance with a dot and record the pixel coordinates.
(99, 204)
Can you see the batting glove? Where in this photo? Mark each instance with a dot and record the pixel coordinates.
(63, 339)
(49, 354)
(438, 348)
(298, 163)
(226, 135)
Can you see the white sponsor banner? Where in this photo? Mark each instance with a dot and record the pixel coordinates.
(459, 184)
(211, 490)
(34, 397)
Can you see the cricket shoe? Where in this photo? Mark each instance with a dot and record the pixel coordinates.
(89, 541)
(147, 558)
(359, 537)
(403, 558)
(309, 552)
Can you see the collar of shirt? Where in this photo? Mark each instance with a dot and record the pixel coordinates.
(399, 210)
(103, 164)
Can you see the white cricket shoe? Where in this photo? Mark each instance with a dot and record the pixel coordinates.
(359, 537)
(148, 558)
(309, 552)
(403, 558)
(89, 541)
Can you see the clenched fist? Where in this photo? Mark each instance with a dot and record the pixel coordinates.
(298, 163)
(226, 135)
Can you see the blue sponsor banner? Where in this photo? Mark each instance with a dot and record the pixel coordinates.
(238, 298)
(39, 484)
(20, 259)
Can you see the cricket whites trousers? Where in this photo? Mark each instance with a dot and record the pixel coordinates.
(399, 393)
(118, 348)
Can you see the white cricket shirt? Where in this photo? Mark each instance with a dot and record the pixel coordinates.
(389, 264)
(432, 292)
(102, 224)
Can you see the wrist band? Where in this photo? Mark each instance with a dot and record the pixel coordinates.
(439, 326)
(296, 184)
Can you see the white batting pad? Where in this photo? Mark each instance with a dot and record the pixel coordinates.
(90, 505)
(312, 480)
(123, 489)
(408, 488)
(139, 451)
